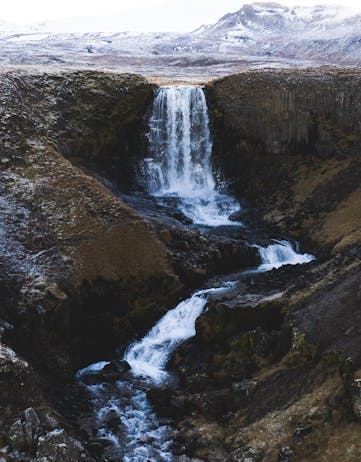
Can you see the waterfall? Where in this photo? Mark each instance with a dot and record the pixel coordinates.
(180, 148)
(179, 168)
(281, 253)
(149, 356)
(142, 436)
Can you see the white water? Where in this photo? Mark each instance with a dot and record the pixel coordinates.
(281, 253)
(141, 436)
(148, 357)
(180, 167)
(180, 148)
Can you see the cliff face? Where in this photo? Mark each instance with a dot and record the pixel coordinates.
(85, 271)
(93, 119)
(289, 141)
(80, 272)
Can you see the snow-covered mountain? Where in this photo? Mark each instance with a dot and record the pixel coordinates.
(261, 20)
(259, 34)
(325, 33)
(273, 18)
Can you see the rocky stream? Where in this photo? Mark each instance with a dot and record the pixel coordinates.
(179, 272)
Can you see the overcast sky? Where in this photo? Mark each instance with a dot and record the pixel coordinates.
(153, 15)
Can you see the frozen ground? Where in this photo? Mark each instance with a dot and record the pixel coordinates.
(258, 35)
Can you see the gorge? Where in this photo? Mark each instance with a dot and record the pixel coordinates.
(259, 359)
(180, 141)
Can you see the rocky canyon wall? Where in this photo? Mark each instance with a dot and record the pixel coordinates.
(273, 373)
(289, 141)
(84, 271)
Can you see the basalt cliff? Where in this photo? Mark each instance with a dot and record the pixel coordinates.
(89, 263)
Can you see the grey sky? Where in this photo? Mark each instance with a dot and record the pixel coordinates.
(144, 15)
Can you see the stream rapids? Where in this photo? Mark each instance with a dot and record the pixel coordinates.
(178, 168)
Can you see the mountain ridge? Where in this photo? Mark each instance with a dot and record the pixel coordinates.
(258, 34)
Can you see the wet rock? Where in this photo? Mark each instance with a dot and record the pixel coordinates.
(114, 371)
(24, 432)
(58, 446)
(237, 216)
(116, 366)
(196, 254)
(186, 459)
(17, 437)
(95, 449)
(49, 418)
(113, 422)
(4, 326)
(219, 323)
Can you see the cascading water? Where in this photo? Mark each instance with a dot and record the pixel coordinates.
(126, 420)
(281, 253)
(149, 356)
(140, 436)
(179, 165)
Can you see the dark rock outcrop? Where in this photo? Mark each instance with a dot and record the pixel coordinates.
(81, 273)
(289, 142)
(197, 254)
(272, 372)
(110, 373)
(80, 259)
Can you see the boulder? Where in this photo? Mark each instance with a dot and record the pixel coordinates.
(113, 372)
(25, 431)
(58, 446)
(237, 216)
(17, 437)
